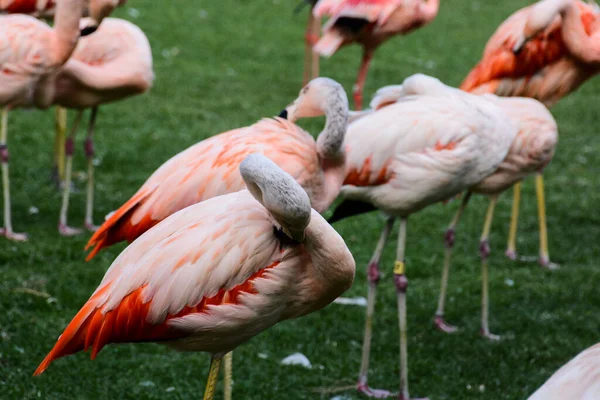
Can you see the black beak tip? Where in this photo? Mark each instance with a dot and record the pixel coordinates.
(88, 30)
(517, 50)
(283, 114)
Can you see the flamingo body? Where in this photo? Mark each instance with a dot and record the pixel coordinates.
(210, 277)
(545, 68)
(532, 148)
(579, 379)
(113, 63)
(422, 150)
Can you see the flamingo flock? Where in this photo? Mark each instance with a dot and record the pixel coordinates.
(226, 238)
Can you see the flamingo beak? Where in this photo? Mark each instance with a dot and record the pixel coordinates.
(298, 236)
(289, 112)
(88, 30)
(519, 45)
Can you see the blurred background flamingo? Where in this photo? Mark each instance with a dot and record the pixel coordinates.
(369, 23)
(216, 274)
(210, 168)
(545, 51)
(31, 55)
(110, 65)
(409, 155)
(45, 9)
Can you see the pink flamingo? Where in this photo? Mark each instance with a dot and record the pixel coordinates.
(579, 379)
(210, 168)
(45, 9)
(406, 156)
(531, 151)
(217, 273)
(369, 23)
(545, 51)
(30, 55)
(112, 64)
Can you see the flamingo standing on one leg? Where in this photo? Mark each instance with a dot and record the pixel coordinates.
(579, 379)
(210, 168)
(45, 9)
(531, 151)
(30, 54)
(545, 51)
(112, 64)
(405, 157)
(217, 273)
(369, 23)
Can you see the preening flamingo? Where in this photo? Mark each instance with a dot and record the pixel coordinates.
(112, 64)
(545, 51)
(531, 151)
(579, 379)
(409, 155)
(369, 23)
(212, 276)
(30, 55)
(210, 168)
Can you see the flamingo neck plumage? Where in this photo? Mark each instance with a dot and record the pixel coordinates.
(330, 147)
(66, 29)
(575, 37)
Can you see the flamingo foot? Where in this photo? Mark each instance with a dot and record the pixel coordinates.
(490, 336)
(544, 261)
(65, 230)
(511, 254)
(16, 237)
(91, 227)
(441, 325)
(373, 393)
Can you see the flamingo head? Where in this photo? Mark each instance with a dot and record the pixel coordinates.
(313, 100)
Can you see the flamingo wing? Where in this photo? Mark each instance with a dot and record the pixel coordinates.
(166, 285)
(500, 62)
(206, 170)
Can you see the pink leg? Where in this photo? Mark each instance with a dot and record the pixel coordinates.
(310, 39)
(63, 228)
(373, 276)
(449, 238)
(360, 79)
(7, 230)
(89, 153)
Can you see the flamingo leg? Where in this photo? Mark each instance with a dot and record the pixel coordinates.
(7, 230)
(228, 379)
(58, 169)
(63, 228)
(544, 253)
(449, 238)
(213, 375)
(401, 283)
(310, 38)
(360, 79)
(316, 28)
(373, 275)
(89, 153)
(484, 252)
(511, 249)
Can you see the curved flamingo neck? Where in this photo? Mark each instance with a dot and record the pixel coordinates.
(575, 37)
(331, 138)
(66, 29)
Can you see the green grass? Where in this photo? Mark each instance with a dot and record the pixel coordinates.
(221, 65)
